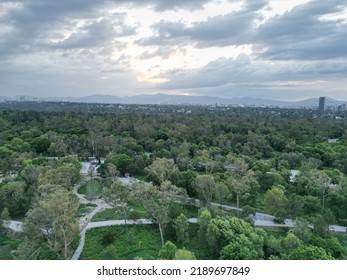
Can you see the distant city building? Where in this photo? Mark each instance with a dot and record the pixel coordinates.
(322, 101)
(342, 107)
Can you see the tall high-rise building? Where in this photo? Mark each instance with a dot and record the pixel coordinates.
(322, 101)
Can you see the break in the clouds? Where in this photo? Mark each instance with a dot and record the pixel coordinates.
(281, 49)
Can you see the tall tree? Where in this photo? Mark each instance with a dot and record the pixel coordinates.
(156, 200)
(241, 186)
(118, 196)
(204, 220)
(53, 218)
(229, 238)
(205, 187)
(181, 226)
(13, 197)
(162, 170)
(275, 202)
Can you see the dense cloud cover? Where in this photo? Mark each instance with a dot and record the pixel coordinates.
(264, 48)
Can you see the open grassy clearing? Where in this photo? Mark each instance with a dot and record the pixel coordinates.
(93, 184)
(113, 242)
(85, 208)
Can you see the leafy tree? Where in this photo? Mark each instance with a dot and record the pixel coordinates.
(5, 152)
(229, 238)
(162, 170)
(236, 166)
(65, 175)
(4, 217)
(168, 251)
(156, 200)
(118, 196)
(183, 254)
(242, 186)
(273, 247)
(290, 242)
(205, 187)
(309, 253)
(311, 205)
(28, 249)
(184, 180)
(13, 197)
(41, 144)
(52, 218)
(331, 245)
(275, 202)
(204, 220)
(242, 249)
(112, 172)
(302, 230)
(30, 174)
(181, 226)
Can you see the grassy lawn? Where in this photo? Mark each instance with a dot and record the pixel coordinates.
(85, 208)
(136, 212)
(93, 183)
(141, 241)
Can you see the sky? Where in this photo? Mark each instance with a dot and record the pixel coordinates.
(275, 49)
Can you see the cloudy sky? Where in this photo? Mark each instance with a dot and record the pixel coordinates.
(278, 49)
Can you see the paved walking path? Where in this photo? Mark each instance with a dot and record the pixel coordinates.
(90, 225)
(259, 219)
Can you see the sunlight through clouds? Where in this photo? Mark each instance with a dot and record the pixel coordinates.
(160, 46)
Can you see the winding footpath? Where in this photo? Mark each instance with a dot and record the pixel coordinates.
(259, 220)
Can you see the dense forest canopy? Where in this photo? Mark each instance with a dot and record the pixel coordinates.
(242, 156)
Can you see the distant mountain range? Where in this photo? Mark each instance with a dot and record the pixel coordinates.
(181, 100)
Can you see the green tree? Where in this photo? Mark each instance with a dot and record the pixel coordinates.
(4, 217)
(162, 170)
(204, 220)
(53, 218)
(302, 230)
(112, 172)
(241, 249)
(168, 251)
(330, 244)
(65, 175)
(156, 200)
(242, 186)
(309, 253)
(229, 238)
(118, 196)
(41, 145)
(28, 249)
(183, 254)
(290, 242)
(184, 180)
(181, 225)
(13, 197)
(205, 187)
(275, 202)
